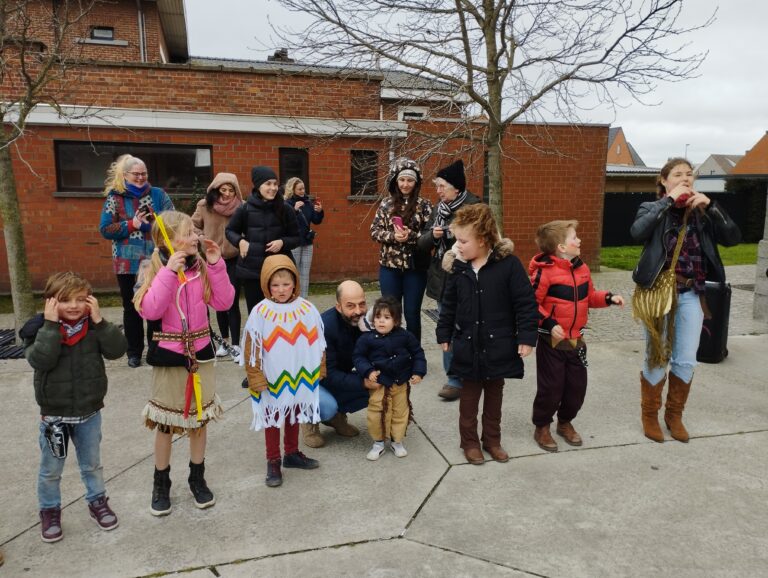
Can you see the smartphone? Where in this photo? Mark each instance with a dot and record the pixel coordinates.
(397, 222)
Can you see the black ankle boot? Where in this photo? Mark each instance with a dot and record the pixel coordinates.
(161, 493)
(274, 475)
(203, 496)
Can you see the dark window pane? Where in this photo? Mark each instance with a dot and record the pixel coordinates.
(365, 166)
(294, 163)
(82, 166)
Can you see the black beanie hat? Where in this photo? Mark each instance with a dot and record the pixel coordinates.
(261, 174)
(454, 175)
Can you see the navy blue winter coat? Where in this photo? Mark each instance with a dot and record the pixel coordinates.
(341, 380)
(306, 216)
(398, 355)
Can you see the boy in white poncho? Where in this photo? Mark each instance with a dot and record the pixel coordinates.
(284, 355)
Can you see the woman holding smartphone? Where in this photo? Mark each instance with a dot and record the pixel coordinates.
(308, 213)
(399, 222)
(126, 220)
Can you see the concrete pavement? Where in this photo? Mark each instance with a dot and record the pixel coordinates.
(620, 505)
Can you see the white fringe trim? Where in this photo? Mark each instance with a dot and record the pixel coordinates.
(275, 413)
(175, 418)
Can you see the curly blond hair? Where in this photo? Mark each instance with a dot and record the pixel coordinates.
(479, 219)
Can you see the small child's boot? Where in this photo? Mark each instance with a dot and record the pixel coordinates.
(50, 525)
(274, 475)
(299, 460)
(161, 493)
(203, 496)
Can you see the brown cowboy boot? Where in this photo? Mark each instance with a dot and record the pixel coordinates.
(650, 404)
(342, 427)
(677, 395)
(310, 432)
(543, 437)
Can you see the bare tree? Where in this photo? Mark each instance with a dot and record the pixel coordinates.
(529, 60)
(37, 56)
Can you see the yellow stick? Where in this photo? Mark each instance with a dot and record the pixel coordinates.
(198, 396)
(164, 233)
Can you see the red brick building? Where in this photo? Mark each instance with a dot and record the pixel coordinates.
(189, 118)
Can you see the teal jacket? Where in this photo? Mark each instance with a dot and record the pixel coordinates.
(70, 381)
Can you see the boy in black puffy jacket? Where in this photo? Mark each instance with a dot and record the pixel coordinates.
(392, 357)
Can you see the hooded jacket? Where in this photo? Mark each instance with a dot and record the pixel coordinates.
(70, 380)
(257, 222)
(564, 292)
(486, 316)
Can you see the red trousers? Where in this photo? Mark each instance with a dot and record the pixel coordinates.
(290, 440)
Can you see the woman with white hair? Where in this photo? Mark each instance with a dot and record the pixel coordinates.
(126, 220)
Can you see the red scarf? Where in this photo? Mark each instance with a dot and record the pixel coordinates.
(70, 339)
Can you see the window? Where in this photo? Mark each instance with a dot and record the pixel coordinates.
(365, 165)
(412, 112)
(102, 33)
(294, 163)
(82, 166)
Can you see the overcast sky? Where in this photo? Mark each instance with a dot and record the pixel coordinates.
(724, 111)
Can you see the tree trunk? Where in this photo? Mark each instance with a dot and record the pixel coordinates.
(21, 286)
(495, 184)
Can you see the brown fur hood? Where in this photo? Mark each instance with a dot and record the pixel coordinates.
(503, 248)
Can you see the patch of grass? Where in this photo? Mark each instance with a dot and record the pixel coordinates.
(626, 257)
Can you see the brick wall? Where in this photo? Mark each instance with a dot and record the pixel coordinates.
(62, 233)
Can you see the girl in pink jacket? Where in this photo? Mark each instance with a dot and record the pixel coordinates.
(175, 290)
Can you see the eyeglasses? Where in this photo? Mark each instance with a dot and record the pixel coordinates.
(138, 175)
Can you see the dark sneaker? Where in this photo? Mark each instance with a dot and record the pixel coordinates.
(50, 522)
(203, 496)
(102, 514)
(161, 493)
(274, 475)
(299, 460)
(134, 361)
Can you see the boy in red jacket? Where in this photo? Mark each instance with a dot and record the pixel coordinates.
(564, 292)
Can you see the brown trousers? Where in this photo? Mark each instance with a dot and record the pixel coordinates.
(392, 404)
(469, 402)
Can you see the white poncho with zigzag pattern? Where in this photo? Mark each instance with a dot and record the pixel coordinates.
(288, 339)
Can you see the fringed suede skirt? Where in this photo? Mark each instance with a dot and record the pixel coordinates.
(165, 408)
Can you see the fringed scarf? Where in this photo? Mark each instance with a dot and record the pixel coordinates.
(443, 218)
(288, 340)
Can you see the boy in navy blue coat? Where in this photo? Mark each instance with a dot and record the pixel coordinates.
(392, 357)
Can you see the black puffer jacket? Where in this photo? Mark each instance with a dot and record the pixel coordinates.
(397, 355)
(486, 316)
(306, 217)
(259, 223)
(70, 381)
(653, 221)
(436, 277)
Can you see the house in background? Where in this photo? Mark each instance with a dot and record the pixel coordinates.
(628, 182)
(747, 186)
(711, 174)
(191, 117)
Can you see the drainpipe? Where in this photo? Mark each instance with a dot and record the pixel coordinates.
(142, 32)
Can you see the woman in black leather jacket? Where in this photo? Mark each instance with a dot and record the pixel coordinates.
(657, 224)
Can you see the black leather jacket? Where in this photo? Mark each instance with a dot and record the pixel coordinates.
(653, 221)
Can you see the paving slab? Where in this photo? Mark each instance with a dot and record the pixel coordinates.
(395, 558)
(697, 509)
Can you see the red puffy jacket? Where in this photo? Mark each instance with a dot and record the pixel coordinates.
(564, 292)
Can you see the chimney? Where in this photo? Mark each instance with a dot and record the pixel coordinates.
(280, 55)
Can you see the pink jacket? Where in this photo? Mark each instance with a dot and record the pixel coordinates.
(159, 302)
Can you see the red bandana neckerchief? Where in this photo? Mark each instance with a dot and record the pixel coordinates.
(72, 333)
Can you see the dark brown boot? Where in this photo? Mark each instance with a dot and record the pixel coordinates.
(342, 427)
(543, 437)
(474, 456)
(650, 404)
(677, 395)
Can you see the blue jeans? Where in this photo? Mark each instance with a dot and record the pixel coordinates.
(689, 318)
(407, 286)
(453, 381)
(328, 405)
(86, 437)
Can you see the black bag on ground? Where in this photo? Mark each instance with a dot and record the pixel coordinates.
(713, 344)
